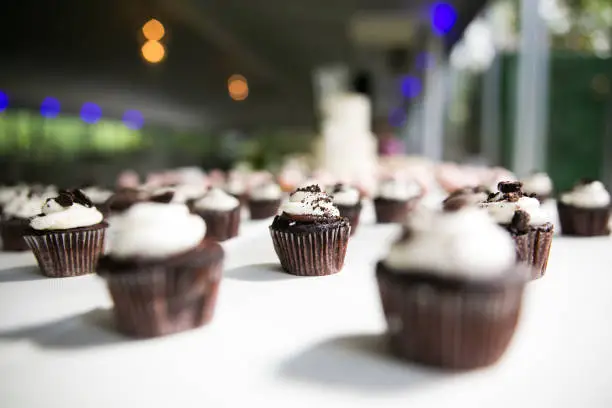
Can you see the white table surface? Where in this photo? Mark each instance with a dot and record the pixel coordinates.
(283, 341)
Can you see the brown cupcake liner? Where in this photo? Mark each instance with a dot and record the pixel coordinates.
(533, 249)
(393, 211)
(262, 209)
(353, 213)
(585, 222)
(67, 253)
(12, 232)
(318, 253)
(451, 328)
(160, 299)
(221, 225)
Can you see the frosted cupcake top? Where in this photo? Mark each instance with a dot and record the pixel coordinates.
(70, 209)
(155, 230)
(344, 194)
(24, 206)
(216, 199)
(7, 193)
(587, 194)
(462, 244)
(538, 183)
(400, 190)
(182, 193)
(266, 192)
(510, 205)
(97, 195)
(310, 201)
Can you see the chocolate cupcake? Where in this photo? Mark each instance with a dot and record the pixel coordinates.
(16, 219)
(529, 225)
(538, 185)
(264, 200)
(309, 236)
(451, 290)
(221, 212)
(68, 237)
(468, 196)
(236, 186)
(162, 275)
(585, 210)
(348, 201)
(395, 199)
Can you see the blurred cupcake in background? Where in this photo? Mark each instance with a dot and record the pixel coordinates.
(309, 235)
(264, 200)
(396, 197)
(99, 196)
(162, 275)
(182, 193)
(585, 210)
(348, 201)
(15, 220)
(236, 185)
(451, 290)
(128, 179)
(527, 222)
(452, 177)
(216, 178)
(68, 237)
(221, 211)
(538, 185)
(9, 192)
(468, 196)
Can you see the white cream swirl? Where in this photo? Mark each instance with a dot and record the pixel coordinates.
(7, 193)
(97, 195)
(538, 183)
(182, 193)
(588, 195)
(462, 244)
(503, 211)
(236, 185)
(266, 192)
(310, 201)
(24, 206)
(216, 199)
(399, 190)
(155, 230)
(344, 195)
(56, 217)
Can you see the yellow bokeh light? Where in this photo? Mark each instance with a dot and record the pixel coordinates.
(238, 87)
(153, 51)
(153, 30)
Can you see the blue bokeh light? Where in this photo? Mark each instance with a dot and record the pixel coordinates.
(4, 101)
(443, 18)
(411, 86)
(133, 119)
(50, 107)
(90, 112)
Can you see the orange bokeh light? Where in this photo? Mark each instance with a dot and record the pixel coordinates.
(153, 51)
(153, 30)
(238, 87)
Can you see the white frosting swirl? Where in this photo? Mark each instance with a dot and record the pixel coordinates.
(266, 192)
(24, 206)
(97, 195)
(56, 217)
(216, 199)
(590, 195)
(236, 185)
(503, 211)
(316, 203)
(345, 195)
(538, 183)
(182, 193)
(7, 193)
(399, 190)
(464, 244)
(155, 230)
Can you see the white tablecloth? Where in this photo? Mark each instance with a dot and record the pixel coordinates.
(283, 341)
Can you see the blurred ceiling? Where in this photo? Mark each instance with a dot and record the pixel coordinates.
(89, 50)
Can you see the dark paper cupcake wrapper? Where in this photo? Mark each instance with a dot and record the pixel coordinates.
(393, 211)
(586, 222)
(317, 253)
(353, 213)
(262, 209)
(12, 232)
(453, 329)
(160, 300)
(67, 253)
(533, 249)
(221, 225)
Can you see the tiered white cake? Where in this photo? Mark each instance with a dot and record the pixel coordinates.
(348, 148)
